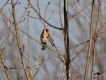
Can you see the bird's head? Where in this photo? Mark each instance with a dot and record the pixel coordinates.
(45, 30)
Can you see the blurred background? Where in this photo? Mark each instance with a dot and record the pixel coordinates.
(79, 30)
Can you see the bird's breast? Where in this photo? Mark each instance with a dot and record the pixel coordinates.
(45, 40)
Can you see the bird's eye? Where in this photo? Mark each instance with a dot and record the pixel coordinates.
(46, 30)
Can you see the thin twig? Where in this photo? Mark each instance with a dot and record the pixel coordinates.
(46, 9)
(90, 43)
(23, 14)
(42, 18)
(4, 65)
(60, 13)
(50, 16)
(28, 40)
(78, 12)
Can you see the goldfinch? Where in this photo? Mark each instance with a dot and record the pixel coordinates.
(44, 38)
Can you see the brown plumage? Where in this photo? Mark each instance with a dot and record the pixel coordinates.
(44, 38)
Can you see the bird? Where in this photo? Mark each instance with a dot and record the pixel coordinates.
(44, 38)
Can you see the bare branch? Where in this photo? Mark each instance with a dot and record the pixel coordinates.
(78, 12)
(44, 19)
(18, 39)
(90, 43)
